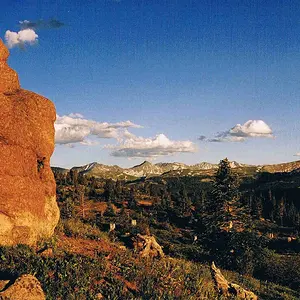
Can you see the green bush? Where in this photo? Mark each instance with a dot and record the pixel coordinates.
(281, 269)
(76, 228)
(240, 251)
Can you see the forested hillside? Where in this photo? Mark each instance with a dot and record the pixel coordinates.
(246, 222)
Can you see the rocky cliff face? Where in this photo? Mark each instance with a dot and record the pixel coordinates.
(28, 209)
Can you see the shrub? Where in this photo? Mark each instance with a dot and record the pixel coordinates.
(76, 228)
(282, 269)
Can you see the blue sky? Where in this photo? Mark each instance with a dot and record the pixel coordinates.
(180, 69)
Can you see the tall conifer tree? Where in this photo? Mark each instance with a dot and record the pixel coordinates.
(225, 212)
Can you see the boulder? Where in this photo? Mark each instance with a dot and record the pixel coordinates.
(147, 246)
(3, 284)
(25, 287)
(228, 289)
(28, 208)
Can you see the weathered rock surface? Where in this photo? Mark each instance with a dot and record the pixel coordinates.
(3, 284)
(26, 287)
(28, 208)
(227, 289)
(147, 246)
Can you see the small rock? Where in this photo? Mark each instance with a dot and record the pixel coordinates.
(99, 296)
(147, 246)
(26, 287)
(227, 289)
(47, 252)
(3, 284)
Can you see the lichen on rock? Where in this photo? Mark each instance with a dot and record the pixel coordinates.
(26, 287)
(28, 208)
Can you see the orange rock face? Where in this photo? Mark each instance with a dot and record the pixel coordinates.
(28, 208)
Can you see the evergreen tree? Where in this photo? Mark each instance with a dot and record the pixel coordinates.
(280, 212)
(74, 177)
(68, 208)
(166, 201)
(80, 196)
(225, 210)
(257, 207)
(132, 203)
(184, 203)
(109, 190)
(293, 215)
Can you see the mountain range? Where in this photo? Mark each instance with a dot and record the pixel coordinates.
(148, 169)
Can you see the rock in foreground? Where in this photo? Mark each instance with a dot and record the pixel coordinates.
(26, 287)
(147, 246)
(227, 289)
(28, 208)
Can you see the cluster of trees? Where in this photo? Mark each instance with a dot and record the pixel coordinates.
(220, 201)
(220, 212)
(274, 205)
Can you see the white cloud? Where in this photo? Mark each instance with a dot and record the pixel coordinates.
(160, 145)
(21, 38)
(70, 134)
(297, 154)
(75, 115)
(239, 133)
(73, 128)
(252, 128)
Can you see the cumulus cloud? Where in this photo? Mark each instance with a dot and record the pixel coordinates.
(41, 24)
(73, 128)
(27, 35)
(21, 38)
(239, 133)
(160, 145)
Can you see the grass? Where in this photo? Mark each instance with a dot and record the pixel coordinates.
(119, 274)
(78, 229)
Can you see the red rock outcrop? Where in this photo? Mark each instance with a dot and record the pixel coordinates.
(28, 208)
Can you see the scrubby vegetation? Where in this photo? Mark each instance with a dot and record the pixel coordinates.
(123, 275)
(117, 275)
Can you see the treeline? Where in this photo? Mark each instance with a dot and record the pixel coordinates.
(186, 196)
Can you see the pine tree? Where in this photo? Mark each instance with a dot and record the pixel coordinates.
(184, 203)
(132, 203)
(225, 210)
(257, 207)
(109, 190)
(166, 201)
(80, 191)
(68, 209)
(280, 212)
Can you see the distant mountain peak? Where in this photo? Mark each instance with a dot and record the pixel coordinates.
(145, 163)
(148, 169)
